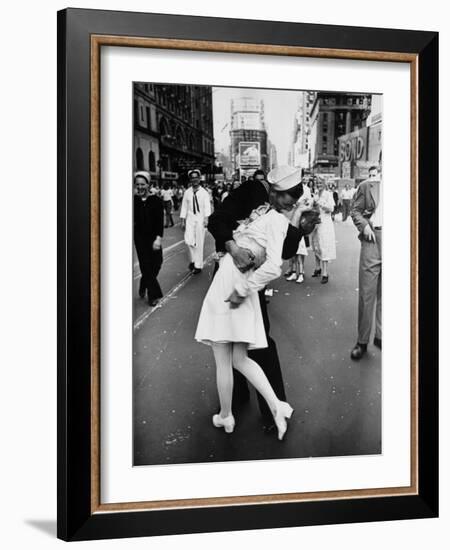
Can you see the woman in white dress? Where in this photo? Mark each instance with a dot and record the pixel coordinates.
(296, 267)
(323, 237)
(231, 320)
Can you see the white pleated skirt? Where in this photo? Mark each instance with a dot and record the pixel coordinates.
(218, 323)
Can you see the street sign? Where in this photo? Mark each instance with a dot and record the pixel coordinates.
(169, 175)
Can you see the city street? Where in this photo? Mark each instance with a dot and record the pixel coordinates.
(337, 401)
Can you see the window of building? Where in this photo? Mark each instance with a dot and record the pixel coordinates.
(163, 128)
(180, 139)
(151, 162)
(139, 159)
(165, 163)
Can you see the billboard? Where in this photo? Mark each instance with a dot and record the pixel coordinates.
(249, 153)
(359, 150)
(353, 146)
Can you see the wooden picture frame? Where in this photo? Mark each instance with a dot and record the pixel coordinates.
(81, 35)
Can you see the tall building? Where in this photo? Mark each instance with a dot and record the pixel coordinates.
(173, 130)
(301, 150)
(272, 153)
(332, 116)
(248, 136)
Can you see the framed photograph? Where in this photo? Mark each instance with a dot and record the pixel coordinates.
(239, 347)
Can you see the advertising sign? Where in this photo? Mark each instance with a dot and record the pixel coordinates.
(353, 146)
(249, 153)
(169, 175)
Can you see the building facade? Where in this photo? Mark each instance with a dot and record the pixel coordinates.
(334, 115)
(301, 146)
(173, 130)
(273, 160)
(248, 137)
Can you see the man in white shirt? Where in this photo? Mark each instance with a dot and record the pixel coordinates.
(167, 197)
(347, 195)
(195, 211)
(367, 215)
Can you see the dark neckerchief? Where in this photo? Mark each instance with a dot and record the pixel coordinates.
(195, 202)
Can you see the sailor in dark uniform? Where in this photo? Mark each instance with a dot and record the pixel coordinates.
(148, 232)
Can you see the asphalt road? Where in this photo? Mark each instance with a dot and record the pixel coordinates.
(337, 401)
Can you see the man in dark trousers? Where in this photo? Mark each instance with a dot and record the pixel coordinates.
(238, 206)
(148, 218)
(367, 215)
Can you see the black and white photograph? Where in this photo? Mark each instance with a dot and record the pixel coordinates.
(257, 287)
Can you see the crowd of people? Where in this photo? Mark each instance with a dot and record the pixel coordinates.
(256, 226)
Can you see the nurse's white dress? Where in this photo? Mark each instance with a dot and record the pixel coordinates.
(323, 238)
(218, 323)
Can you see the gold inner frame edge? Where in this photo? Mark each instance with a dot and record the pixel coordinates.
(97, 41)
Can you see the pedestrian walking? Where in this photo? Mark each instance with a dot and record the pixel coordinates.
(179, 192)
(167, 197)
(323, 238)
(367, 215)
(226, 192)
(217, 192)
(346, 195)
(337, 207)
(194, 215)
(231, 320)
(148, 221)
(296, 267)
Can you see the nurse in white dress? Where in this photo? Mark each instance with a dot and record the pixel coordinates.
(231, 320)
(323, 237)
(297, 263)
(194, 214)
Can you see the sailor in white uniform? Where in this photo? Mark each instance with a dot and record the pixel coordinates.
(195, 211)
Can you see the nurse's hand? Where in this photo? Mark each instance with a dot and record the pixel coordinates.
(235, 300)
(183, 223)
(242, 257)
